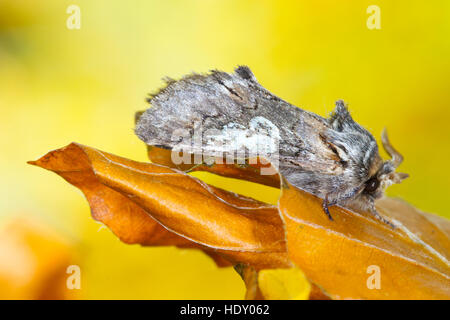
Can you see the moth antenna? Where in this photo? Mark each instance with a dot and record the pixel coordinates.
(398, 177)
(397, 158)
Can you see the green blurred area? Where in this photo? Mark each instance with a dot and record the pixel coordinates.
(59, 85)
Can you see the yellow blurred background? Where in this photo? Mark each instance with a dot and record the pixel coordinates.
(59, 85)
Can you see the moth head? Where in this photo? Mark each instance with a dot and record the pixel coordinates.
(386, 174)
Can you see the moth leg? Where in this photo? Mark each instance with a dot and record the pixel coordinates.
(325, 205)
(375, 213)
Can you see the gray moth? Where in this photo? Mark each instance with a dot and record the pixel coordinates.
(232, 115)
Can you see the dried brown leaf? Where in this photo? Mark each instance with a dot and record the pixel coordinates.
(412, 258)
(151, 204)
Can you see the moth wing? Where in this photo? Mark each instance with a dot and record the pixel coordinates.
(233, 114)
(220, 112)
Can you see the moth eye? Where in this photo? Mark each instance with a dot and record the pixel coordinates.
(372, 184)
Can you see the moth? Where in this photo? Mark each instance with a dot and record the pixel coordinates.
(333, 158)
